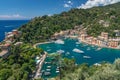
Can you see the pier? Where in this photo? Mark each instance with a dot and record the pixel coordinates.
(37, 74)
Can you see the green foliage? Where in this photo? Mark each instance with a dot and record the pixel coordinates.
(40, 29)
(117, 64)
(106, 71)
(20, 64)
(5, 73)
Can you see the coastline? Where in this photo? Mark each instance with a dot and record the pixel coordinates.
(100, 46)
(93, 44)
(40, 66)
(35, 45)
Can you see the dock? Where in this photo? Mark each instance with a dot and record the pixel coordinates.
(37, 74)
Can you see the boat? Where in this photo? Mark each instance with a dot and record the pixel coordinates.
(97, 64)
(47, 62)
(59, 41)
(37, 57)
(87, 57)
(43, 71)
(60, 51)
(77, 50)
(47, 73)
(48, 69)
(77, 42)
(48, 66)
(57, 71)
(58, 67)
(98, 49)
(68, 53)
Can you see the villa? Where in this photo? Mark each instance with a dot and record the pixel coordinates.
(10, 36)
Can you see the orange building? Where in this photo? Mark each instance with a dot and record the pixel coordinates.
(113, 43)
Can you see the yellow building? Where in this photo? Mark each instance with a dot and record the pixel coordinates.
(104, 35)
(99, 42)
(94, 41)
(83, 37)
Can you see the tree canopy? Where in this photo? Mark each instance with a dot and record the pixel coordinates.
(96, 20)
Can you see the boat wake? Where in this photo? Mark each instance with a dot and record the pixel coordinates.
(9, 26)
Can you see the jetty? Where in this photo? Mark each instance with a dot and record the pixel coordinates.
(37, 74)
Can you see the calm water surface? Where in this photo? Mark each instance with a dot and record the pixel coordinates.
(97, 55)
(9, 25)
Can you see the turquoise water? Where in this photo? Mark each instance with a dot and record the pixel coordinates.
(97, 55)
(53, 64)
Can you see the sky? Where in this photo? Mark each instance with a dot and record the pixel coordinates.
(27, 9)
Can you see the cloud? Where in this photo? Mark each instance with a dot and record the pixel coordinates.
(49, 14)
(68, 4)
(14, 16)
(92, 3)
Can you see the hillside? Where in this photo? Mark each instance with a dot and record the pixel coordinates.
(104, 71)
(96, 20)
(20, 64)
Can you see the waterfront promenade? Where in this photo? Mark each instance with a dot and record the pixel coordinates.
(37, 75)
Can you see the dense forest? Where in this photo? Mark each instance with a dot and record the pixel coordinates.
(20, 64)
(96, 20)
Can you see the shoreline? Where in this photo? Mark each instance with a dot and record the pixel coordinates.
(35, 45)
(79, 41)
(40, 66)
(100, 46)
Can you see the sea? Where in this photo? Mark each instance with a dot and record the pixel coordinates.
(9, 25)
(81, 52)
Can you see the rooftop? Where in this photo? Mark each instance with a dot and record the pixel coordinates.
(3, 53)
